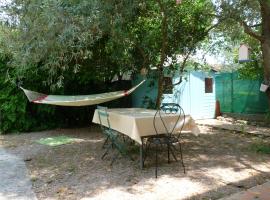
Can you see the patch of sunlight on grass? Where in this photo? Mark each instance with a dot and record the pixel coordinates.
(237, 173)
(165, 187)
(55, 141)
(228, 175)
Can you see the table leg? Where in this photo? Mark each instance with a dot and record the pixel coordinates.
(141, 155)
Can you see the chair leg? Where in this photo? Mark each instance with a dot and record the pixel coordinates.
(144, 153)
(124, 138)
(180, 146)
(172, 152)
(105, 142)
(106, 152)
(146, 148)
(156, 161)
(129, 157)
(125, 154)
(114, 158)
(168, 151)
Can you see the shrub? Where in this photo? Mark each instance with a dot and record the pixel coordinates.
(16, 114)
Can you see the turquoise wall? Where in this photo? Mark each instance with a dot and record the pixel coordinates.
(190, 94)
(145, 95)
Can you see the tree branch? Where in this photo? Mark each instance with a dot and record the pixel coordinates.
(183, 67)
(250, 32)
(164, 29)
(255, 25)
(220, 20)
(145, 57)
(248, 29)
(213, 26)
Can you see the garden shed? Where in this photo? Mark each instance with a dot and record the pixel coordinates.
(196, 94)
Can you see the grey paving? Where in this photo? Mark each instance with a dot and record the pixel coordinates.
(259, 192)
(14, 180)
(254, 130)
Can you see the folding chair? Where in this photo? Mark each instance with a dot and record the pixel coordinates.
(113, 139)
(167, 138)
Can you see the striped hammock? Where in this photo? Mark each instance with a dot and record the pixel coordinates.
(79, 100)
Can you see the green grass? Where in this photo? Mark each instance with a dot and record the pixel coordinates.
(55, 141)
(261, 148)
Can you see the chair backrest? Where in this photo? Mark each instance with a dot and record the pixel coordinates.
(103, 117)
(169, 118)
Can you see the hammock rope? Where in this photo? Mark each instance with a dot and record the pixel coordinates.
(79, 100)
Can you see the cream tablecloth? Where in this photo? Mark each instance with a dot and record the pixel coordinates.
(138, 122)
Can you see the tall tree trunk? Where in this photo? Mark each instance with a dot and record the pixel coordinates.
(160, 67)
(265, 42)
(266, 65)
(160, 88)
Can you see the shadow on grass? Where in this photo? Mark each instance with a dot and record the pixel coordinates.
(218, 163)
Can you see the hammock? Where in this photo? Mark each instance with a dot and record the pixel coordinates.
(80, 100)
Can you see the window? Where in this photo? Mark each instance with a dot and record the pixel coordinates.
(208, 85)
(168, 85)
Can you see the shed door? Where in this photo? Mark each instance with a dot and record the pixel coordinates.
(202, 96)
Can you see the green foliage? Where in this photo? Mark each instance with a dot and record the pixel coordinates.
(232, 12)
(252, 70)
(241, 21)
(261, 148)
(61, 36)
(104, 37)
(16, 113)
(54, 35)
(148, 102)
(183, 30)
(164, 30)
(77, 47)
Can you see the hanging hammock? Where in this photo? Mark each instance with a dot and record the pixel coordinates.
(79, 100)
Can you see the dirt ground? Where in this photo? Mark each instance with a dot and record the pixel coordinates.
(218, 163)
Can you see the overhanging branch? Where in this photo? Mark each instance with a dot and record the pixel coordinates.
(255, 25)
(250, 32)
(181, 70)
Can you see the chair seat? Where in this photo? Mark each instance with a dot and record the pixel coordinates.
(163, 139)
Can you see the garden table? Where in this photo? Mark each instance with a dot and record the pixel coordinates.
(137, 123)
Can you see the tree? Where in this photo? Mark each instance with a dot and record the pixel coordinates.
(70, 46)
(254, 18)
(106, 38)
(165, 30)
(67, 35)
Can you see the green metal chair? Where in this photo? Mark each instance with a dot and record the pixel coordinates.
(113, 139)
(167, 138)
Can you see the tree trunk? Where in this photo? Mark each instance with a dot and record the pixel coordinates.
(160, 88)
(265, 43)
(266, 64)
(160, 67)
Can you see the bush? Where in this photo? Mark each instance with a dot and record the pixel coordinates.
(16, 114)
